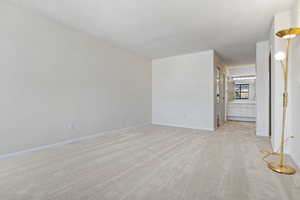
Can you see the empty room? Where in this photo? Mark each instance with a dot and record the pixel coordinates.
(149, 100)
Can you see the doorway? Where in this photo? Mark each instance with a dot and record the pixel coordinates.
(241, 93)
(220, 96)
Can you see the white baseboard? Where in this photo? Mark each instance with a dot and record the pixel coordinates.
(296, 162)
(245, 119)
(262, 133)
(183, 126)
(40, 148)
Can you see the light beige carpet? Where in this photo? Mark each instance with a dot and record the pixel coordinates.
(151, 162)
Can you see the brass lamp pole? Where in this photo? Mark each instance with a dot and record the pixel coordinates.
(287, 34)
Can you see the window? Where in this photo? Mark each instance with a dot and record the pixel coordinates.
(241, 91)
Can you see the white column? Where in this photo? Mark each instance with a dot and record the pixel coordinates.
(262, 88)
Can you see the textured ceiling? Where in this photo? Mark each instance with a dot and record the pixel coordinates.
(161, 28)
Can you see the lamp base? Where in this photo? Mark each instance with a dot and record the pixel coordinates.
(281, 169)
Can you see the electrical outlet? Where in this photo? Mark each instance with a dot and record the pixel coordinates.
(70, 126)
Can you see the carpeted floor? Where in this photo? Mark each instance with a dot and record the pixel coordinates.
(151, 162)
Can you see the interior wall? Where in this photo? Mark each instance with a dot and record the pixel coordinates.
(262, 89)
(242, 70)
(58, 84)
(294, 85)
(273, 82)
(283, 21)
(293, 146)
(183, 91)
(294, 103)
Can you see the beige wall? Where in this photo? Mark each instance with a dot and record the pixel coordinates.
(58, 84)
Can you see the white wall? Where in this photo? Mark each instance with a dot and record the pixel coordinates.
(57, 83)
(183, 91)
(294, 103)
(262, 89)
(285, 20)
(241, 111)
(281, 21)
(242, 70)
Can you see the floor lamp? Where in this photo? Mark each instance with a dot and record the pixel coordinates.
(283, 58)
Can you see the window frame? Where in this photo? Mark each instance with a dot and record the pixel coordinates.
(239, 92)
